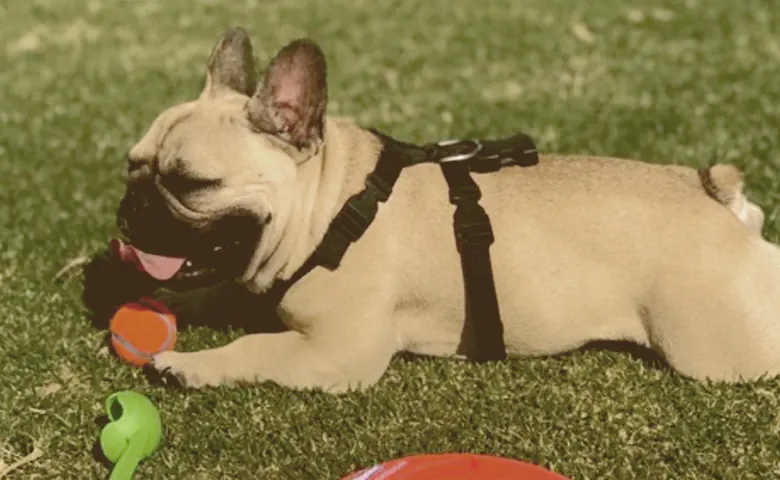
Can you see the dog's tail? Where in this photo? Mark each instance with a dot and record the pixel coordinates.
(725, 184)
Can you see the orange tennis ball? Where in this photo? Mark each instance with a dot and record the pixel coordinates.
(142, 329)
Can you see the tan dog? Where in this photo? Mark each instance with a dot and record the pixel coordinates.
(586, 248)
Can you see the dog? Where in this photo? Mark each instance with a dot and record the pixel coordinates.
(241, 184)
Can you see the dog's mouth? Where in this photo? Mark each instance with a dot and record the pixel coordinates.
(195, 264)
(164, 268)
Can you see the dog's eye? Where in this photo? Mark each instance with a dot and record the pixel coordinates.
(181, 184)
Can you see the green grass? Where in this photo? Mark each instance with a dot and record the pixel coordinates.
(678, 82)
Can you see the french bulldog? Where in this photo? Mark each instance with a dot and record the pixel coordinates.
(241, 183)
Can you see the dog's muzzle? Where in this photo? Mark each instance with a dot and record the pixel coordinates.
(180, 253)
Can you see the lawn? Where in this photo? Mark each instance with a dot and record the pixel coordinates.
(685, 82)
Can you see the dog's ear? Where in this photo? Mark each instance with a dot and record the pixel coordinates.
(292, 100)
(231, 65)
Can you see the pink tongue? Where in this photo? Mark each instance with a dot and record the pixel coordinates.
(158, 266)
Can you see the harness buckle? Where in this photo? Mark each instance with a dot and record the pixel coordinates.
(458, 157)
(488, 156)
(472, 226)
(358, 213)
(378, 188)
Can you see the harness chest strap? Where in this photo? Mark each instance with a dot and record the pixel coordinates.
(473, 231)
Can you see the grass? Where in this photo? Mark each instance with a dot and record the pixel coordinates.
(668, 81)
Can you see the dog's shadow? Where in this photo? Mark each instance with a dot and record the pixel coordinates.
(649, 357)
(97, 451)
(108, 284)
(646, 355)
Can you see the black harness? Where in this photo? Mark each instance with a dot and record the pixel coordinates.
(473, 232)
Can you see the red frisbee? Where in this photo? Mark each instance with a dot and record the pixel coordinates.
(454, 466)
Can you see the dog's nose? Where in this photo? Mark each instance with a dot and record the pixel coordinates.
(146, 221)
(133, 207)
(122, 225)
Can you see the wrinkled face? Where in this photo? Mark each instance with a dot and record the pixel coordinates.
(211, 184)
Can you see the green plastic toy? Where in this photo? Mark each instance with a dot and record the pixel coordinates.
(134, 433)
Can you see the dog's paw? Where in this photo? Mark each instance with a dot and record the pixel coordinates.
(190, 370)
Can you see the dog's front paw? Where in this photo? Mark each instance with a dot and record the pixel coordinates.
(191, 370)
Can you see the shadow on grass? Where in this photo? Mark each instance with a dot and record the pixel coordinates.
(650, 357)
(97, 452)
(109, 283)
(646, 355)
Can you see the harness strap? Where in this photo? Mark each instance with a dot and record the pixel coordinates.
(358, 212)
(474, 236)
(354, 218)
(473, 231)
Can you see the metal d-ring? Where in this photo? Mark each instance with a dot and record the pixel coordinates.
(460, 156)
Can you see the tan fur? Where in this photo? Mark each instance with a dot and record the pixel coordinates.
(587, 248)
